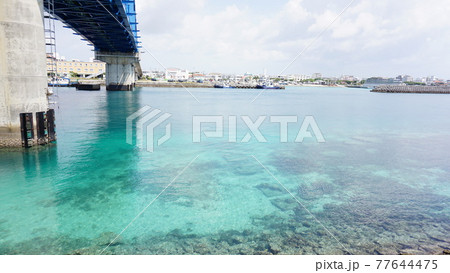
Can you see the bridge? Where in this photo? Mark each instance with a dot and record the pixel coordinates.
(110, 26)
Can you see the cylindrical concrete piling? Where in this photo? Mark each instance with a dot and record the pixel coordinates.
(23, 73)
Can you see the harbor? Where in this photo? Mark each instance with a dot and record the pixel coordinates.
(185, 84)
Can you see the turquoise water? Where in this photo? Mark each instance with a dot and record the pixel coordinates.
(379, 184)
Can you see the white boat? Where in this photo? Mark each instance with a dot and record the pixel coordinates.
(62, 82)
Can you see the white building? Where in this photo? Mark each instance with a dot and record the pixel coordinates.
(147, 74)
(198, 76)
(407, 78)
(154, 74)
(176, 74)
(317, 76)
(214, 76)
(348, 78)
(430, 80)
(303, 77)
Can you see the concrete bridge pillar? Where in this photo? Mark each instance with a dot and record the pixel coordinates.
(23, 70)
(121, 70)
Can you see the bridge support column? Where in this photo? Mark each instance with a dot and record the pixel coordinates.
(23, 72)
(121, 70)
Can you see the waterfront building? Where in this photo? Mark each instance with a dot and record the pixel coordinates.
(408, 78)
(146, 73)
(422, 80)
(303, 77)
(405, 78)
(289, 77)
(214, 76)
(153, 74)
(198, 76)
(83, 69)
(176, 74)
(430, 80)
(348, 78)
(316, 76)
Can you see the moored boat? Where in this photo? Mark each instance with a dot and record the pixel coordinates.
(263, 86)
(61, 82)
(222, 86)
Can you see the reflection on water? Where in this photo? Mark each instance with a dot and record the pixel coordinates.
(379, 183)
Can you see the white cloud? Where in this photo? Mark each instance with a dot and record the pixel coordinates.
(371, 37)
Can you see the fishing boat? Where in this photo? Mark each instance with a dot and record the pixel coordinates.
(268, 86)
(222, 86)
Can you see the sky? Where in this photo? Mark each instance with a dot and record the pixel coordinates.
(371, 38)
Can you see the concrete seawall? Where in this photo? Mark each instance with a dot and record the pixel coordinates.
(412, 89)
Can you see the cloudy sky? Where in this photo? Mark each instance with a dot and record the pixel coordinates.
(371, 38)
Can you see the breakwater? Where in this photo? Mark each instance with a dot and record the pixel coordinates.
(412, 89)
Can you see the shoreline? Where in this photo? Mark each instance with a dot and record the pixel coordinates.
(164, 84)
(174, 84)
(211, 85)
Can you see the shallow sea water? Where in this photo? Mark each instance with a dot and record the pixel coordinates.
(378, 185)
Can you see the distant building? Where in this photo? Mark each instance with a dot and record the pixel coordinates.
(303, 77)
(176, 74)
(422, 80)
(316, 76)
(237, 77)
(348, 78)
(198, 76)
(147, 74)
(290, 77)
(214, 76)
(404, 78)
(153, 74)
(84, 69)
(430, 80)
(408, 78)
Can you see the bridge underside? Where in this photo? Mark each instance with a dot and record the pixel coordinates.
(104, 23)
(110, 26)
